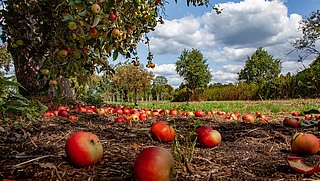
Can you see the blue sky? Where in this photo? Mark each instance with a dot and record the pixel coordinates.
(226, 40)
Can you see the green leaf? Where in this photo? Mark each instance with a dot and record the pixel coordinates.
(96, 21)
(78, 1)
(115, 55)
(67, 18)
(83, 13)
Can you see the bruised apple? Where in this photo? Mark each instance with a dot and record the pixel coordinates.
(84, 149)
(153, 164)
(304, 144)
(209, 138)
(162, 132)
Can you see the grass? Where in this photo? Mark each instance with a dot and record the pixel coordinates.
(270, 106)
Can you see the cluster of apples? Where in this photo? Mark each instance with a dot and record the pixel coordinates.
(62, 111)
(297, 120)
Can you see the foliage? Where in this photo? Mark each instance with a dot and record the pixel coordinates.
(193, 68)
(5, 58)
(132, 79)
(260, 67)
(12, 103)
(311, 35)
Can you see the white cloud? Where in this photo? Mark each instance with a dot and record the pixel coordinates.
(169, 71)
(228, 38)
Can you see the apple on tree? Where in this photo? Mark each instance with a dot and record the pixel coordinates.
(84, 149)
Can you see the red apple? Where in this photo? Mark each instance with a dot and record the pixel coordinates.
(62, 108)
(84, 149)
(93, 31)
(48, 114)
(112, 17)
(73, 118)
(199, 113)
(209, 139)
(304, 144)
(63, 113)
(248, 118)
(296, 114)
(154, 113)
(119, 119)
(290, 122)
(203, 129)
(173, 112)
(153, 163)
(162, 132)
(143, 116)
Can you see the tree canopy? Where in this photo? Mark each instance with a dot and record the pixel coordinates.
(310, 27)
(260, 67)
(194, 70)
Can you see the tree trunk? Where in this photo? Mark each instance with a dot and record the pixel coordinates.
(27, 73)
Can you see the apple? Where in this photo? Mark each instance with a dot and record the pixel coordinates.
(48, 114)
(119, 119)
(63, 53)
(152, 65)
(162, 132)
(112, 17)
(290, 122)
(235, 116)
(45, 72)
(72, 25)
(143, 116)
(73, 118)
(63, 108)
(220, 113)
(155, 113)
(126, 111)
(63, 113)
(248, 118)
(134, 118)
(184, 114)
(173, 112)
(93, 31)
(95, 8)
(209, 139)
(304, 144)
(153, 163)
(190, 114)
(199, 113)
(296, 114)
(136, 63)
(265, 118)
(84, 149)
(203, 129)
(258, 114)
(53, 83)
(208, 113)
(101, 111)
(116, 32)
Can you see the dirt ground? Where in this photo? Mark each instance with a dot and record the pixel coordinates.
(36, 150)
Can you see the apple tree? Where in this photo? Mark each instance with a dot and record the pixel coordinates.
(310, 27)
(56, 40)
(194, 70)
(260, 67)
(132, 79)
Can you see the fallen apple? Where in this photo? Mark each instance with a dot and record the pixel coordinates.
(199, 113)
(209, 139)
(248, 118)
(162, 132)
(63, 113)
(153, 163)
(84, 149)
(290, 122)
(95, 8)
(304, 144)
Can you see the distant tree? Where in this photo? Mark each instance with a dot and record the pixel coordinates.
(132, 79)
(193, 68)
(311, 35)
(158, 86)
(260, 67)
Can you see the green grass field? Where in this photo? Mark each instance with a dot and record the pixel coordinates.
(267, 106)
